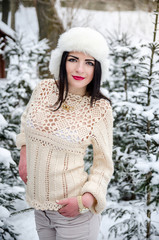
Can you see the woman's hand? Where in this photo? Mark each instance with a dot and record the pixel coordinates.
(71, 209)
(88, 200)
(23, 164)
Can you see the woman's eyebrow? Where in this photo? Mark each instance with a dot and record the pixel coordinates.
(78, 58)
(90, 60)
(73, 56)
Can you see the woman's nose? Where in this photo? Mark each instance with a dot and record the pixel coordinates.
(80, 68)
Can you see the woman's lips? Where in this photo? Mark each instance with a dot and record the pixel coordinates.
(78, 77)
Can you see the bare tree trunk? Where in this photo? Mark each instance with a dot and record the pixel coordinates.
(5, 10)
(13, 7)
(50, 25)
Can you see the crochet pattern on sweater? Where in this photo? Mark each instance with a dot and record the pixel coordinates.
(56, 142)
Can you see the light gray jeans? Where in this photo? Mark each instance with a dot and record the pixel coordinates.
(51, 225)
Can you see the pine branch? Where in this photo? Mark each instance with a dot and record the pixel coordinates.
(21, 211)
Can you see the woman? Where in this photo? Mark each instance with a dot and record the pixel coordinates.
(62, 118)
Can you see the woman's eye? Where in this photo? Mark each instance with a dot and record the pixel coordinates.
(90, 63)
(72, 60)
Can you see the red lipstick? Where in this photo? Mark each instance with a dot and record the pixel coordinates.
(78, 77)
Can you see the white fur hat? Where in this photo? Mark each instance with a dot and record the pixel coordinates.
(81, 39)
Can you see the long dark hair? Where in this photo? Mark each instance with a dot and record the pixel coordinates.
(93, 88)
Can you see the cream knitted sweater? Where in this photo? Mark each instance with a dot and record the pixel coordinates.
(56, 143)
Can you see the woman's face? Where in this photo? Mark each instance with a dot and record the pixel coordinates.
(80, 71)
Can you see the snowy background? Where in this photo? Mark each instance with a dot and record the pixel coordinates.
(137, 23)
(139, 26)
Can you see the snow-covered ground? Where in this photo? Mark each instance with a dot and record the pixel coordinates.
(138, 24)
(24, 223)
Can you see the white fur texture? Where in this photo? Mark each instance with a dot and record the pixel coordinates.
(81, 39)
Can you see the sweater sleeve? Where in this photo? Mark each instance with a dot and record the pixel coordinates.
(20, 138)
(102, 167)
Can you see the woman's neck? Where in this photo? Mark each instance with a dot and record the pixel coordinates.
(77, 91)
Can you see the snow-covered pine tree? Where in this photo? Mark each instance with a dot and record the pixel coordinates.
(124, 81)
(123, 65)
(22, 76)
(88, 158)
(124, 78)
(140, 160)
(148, 163)
(9, 190)
(42, 50)
(26, 57)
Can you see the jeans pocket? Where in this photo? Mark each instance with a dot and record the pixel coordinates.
(67, 218)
